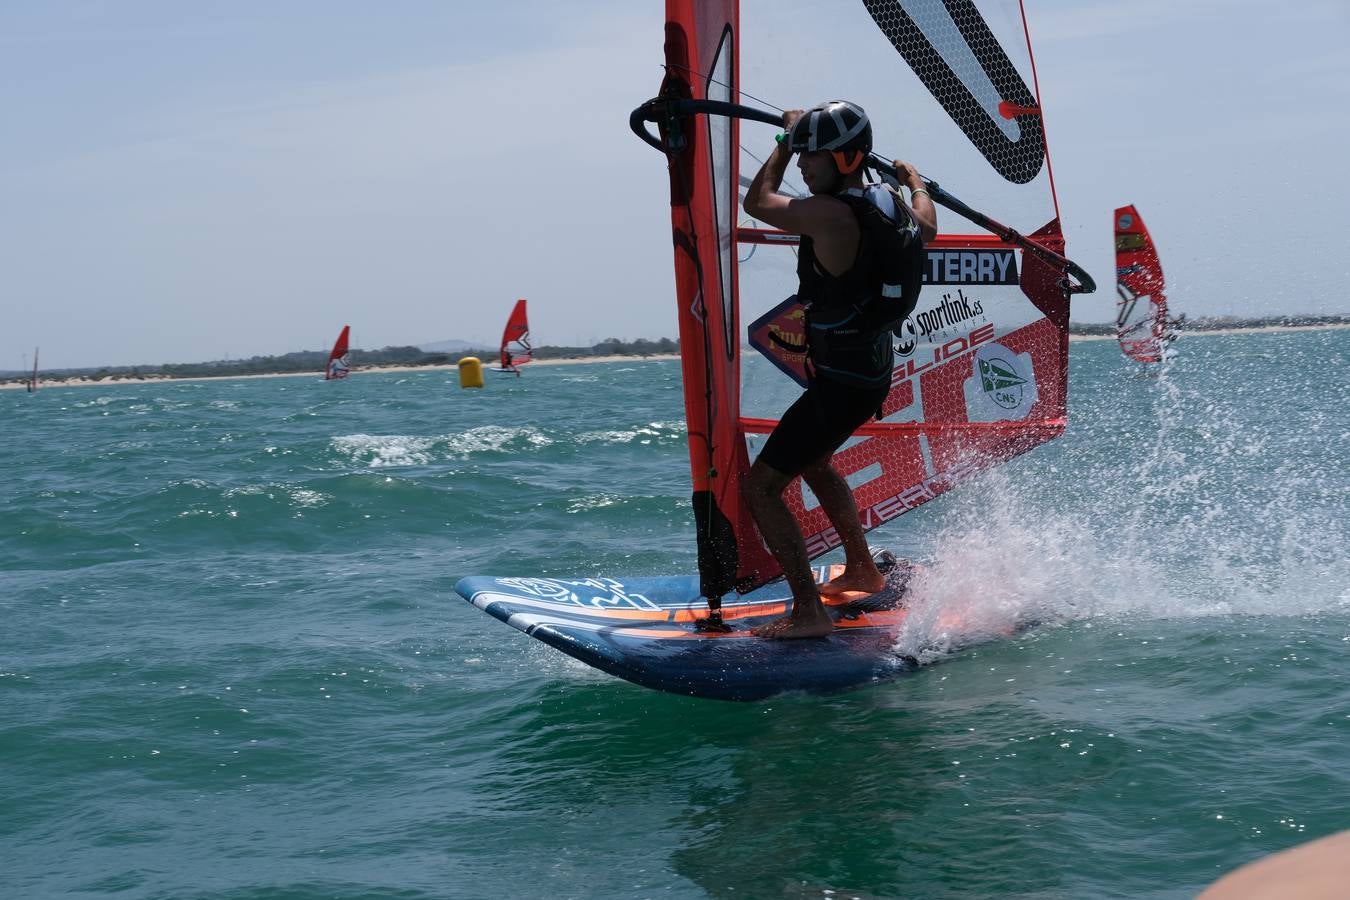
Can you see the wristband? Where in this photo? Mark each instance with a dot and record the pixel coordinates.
(913, 194)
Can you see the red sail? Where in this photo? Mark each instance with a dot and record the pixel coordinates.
(516, 349)
(1142, 325)
(980, 368)
(339, 366)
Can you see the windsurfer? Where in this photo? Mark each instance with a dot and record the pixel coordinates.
(860, 267)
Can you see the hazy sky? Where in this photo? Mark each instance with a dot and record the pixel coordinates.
(191, 181)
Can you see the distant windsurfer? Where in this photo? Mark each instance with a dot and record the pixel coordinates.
(508, 362)
(860, 268)
(1171, 326)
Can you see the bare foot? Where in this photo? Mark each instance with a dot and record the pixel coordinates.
(866, 582)
(794, 627)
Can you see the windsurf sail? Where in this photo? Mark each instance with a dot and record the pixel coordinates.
(980, 368)
(516, 349)
(33, 381)
(1143, 326)
(339, 364)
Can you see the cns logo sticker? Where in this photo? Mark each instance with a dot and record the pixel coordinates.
(1001, 383)
(1001, 386)
(1125, 221)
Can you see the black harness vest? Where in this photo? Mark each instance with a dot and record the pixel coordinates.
(849, 317)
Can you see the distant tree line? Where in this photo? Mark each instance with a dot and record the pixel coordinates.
(607, 347)
(317, 360)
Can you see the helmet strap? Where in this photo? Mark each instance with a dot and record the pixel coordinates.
(847, 161)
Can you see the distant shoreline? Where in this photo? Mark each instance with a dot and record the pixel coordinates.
(108, 381)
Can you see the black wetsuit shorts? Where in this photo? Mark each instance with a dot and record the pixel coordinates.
(819, 422)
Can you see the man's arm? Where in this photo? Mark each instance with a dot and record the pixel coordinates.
(925, 213)
(813, 216)
(810, 216)
(762, 199)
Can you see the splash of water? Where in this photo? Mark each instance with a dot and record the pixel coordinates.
(1168, 498)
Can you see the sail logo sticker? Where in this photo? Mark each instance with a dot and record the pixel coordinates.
(780, 335)
(941, 354)
(1001, 382)
(970, 267)
(913, 496)
(1125, 221)
(696, 307)
(906, 341)
(955, 311)
(952, 311)
(602, 593)
(1001, 386)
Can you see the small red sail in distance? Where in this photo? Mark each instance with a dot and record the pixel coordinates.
(516, 349)
(339, 366)
(1142, 324)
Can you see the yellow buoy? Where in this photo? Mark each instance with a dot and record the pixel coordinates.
(470, 372)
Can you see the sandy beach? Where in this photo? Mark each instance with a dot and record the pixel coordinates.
(1183, 334)
(110, 381)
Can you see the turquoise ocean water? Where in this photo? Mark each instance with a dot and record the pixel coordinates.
(232, 664)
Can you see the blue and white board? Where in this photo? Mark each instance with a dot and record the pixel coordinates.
(645, 630)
